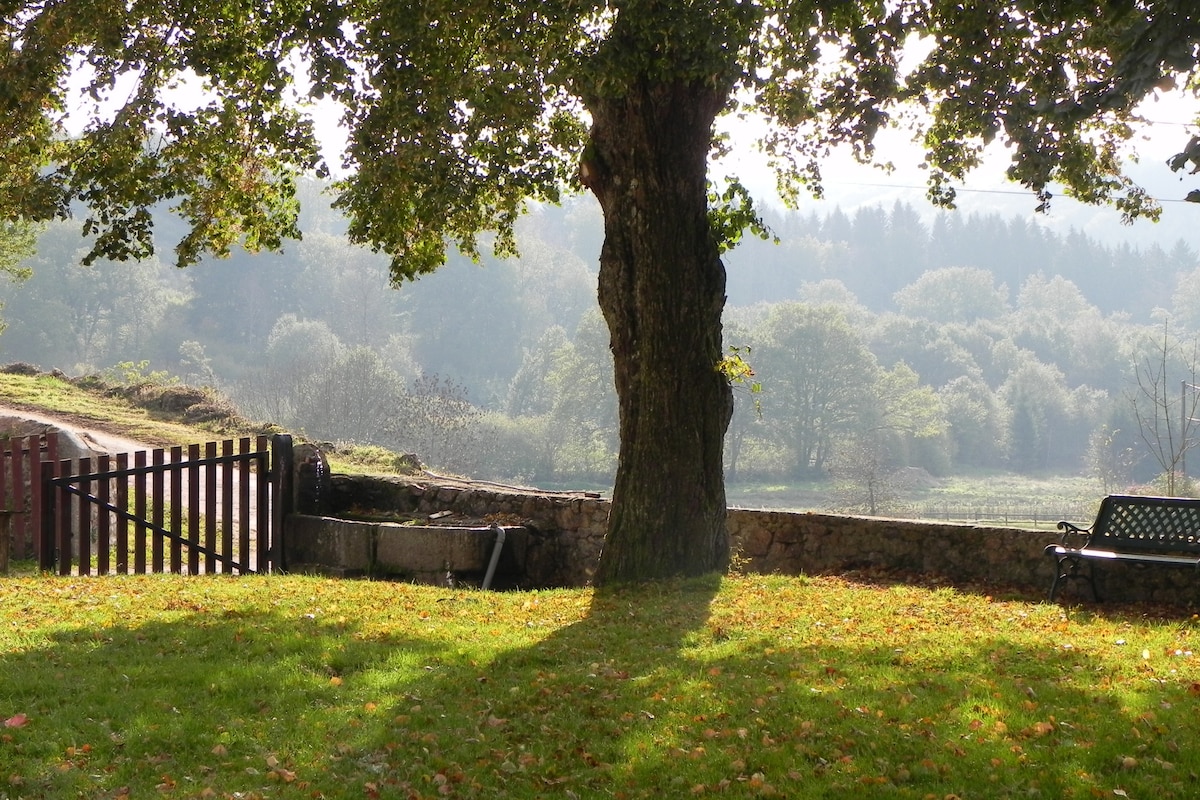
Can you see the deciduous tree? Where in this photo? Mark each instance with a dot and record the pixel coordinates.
(1167, 421)
(16, 244)
(954, 294)
(459, 111)
(86, 318)
(817, 377)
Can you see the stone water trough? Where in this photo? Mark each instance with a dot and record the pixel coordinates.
(430, 554)
(326, 537)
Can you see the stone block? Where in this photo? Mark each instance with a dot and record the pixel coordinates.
(328, 545)
(410, 548)
(756, 543)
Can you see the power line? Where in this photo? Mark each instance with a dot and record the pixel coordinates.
(1168, 124)
(965, 190)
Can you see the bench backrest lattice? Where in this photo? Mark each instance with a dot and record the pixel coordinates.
(1147, 524)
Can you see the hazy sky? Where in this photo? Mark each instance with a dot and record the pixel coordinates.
(849, 185)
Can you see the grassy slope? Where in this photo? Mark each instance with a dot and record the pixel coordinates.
(96, 409)
(152, 414)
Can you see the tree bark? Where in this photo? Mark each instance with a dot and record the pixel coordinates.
(662, 291)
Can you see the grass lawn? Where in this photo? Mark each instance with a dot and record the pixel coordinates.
(293, 687)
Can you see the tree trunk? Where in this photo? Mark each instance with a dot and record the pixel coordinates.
(662, 291)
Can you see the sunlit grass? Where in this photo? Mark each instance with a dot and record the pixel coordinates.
(290, 687)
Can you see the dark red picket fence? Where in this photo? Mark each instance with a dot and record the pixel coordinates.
(204, 508)
(21, 458)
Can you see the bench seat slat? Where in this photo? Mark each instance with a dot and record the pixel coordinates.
(1111, 555)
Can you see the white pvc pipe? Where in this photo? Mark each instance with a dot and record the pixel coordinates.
(491, 570)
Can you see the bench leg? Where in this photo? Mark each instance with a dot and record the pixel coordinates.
(1058, 576)
(1068, 567)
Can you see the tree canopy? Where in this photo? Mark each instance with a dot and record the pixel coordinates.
(460, 111)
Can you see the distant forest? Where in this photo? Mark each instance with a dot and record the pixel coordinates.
(879, 343)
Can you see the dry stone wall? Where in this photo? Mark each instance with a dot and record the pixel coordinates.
(565, 532)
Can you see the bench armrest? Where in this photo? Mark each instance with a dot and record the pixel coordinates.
(1073, 536)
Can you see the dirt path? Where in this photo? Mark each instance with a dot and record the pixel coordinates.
(101, 440)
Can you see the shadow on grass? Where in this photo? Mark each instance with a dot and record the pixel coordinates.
(649, 694)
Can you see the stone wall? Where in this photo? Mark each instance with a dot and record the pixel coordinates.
(565, 532)
(790, 542)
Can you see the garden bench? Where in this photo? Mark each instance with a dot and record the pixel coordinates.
(1162, 531)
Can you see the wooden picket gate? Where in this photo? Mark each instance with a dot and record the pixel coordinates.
(207, 508)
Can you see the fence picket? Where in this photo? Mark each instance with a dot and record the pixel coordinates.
(176, 510)
(103, 533)
(83, 528)
(227, 505)
(193, 518)
(210, 507)
(243, 507)
(62, 519)
(37, 504)
(19, 522)
(263, 508)
(46, 513)
(122, 521)
(139, 511)
(157, 498)
(7, 511)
